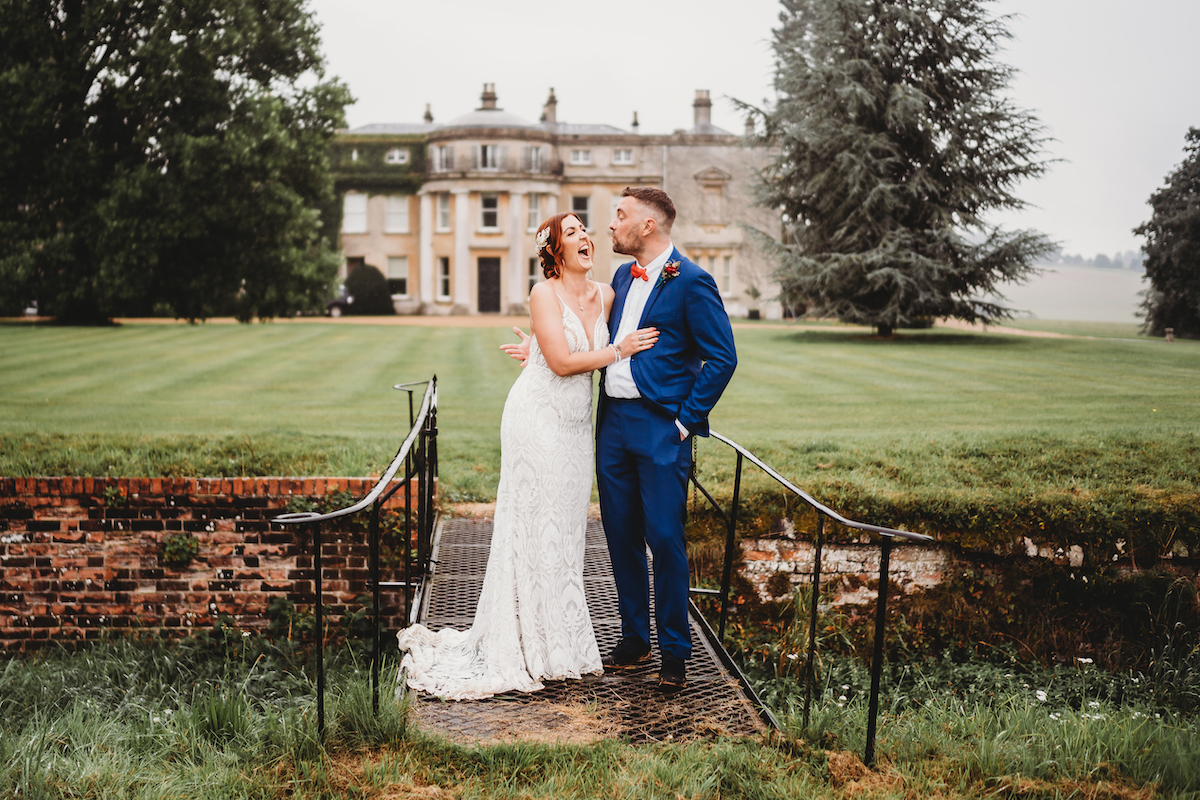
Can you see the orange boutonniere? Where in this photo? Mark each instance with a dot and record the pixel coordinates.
(670, 271)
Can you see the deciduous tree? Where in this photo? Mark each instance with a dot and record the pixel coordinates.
(164, 156)
(1172, 262)
(893, 138)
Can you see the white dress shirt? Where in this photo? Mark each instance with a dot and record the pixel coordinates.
(618, 379)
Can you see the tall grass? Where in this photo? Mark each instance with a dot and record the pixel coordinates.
(148, 719)
(152, 720)
(987, 722)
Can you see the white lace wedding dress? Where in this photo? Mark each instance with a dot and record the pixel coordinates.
(532, 619)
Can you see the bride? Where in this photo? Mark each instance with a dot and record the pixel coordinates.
(532, 622)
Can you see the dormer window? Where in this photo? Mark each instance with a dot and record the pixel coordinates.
(397, 155)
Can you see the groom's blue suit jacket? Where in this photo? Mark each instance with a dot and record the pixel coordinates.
(688, 368)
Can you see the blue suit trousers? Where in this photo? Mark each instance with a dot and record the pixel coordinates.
(642, 471)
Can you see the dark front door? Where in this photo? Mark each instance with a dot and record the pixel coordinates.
(489, 285)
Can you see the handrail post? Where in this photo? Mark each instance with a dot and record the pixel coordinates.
(877, 660)
(433, 461)
(408, 508)
(810, 663)
(727, 572)
(320, 615)
(428, 490)
(375, 596)
(422, 505)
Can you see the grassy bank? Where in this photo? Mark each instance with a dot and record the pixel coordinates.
(941, 430)
(146, 720)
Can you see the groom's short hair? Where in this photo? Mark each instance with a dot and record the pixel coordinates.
(658, 200)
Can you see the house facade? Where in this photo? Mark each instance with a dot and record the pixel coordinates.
(448, 211)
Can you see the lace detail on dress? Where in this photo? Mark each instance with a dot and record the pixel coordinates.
(532, 621)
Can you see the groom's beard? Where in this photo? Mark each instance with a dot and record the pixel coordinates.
(627, 248)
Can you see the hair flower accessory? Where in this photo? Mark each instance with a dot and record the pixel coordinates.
(670, 271)
(543, 238)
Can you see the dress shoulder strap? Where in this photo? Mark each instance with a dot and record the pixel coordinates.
(601, 290)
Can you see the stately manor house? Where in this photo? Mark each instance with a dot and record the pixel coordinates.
(448, 211)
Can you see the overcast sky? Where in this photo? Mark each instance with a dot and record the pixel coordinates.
(1116, 82)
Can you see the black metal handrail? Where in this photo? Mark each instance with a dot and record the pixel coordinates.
(418, 455)
(888, 535)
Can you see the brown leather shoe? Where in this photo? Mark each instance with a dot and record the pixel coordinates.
(629, 652)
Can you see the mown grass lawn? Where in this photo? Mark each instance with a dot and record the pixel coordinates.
(1099, 330)
(831, 407)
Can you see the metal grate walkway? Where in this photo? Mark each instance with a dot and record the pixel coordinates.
(625, 704)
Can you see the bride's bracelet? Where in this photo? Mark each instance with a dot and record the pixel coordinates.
(616, 349)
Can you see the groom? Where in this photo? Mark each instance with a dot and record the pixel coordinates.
(650, 406)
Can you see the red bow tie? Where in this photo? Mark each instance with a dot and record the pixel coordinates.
(638, 272)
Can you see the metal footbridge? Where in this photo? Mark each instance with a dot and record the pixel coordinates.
(443, 574)
(626, 704)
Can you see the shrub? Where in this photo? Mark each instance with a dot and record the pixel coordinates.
(369, 289)
(180, 549)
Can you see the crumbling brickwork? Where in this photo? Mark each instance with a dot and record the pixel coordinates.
(82, 555)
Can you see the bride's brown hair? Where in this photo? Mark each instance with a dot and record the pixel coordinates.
(552, 254)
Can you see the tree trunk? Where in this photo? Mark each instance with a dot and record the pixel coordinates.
(884, 330)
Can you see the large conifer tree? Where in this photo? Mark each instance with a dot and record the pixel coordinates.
(893, 138)
(1173, 250)
(166, 156)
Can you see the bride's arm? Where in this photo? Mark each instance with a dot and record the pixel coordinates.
(546, 317)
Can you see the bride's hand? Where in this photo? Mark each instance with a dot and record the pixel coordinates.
(639, 340)
(518, 351)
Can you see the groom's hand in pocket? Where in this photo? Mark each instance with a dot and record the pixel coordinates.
(518, 351)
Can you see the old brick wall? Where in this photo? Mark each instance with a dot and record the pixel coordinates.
(81, 555)
(850, 571)
(846, 568)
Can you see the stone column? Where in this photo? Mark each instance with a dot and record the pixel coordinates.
(425, 243)
(517, 268)
(462, 250)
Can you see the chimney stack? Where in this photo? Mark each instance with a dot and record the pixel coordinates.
(550, 110)
(488, 98)
(635, 123)
(428, 115)
(703, 107)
